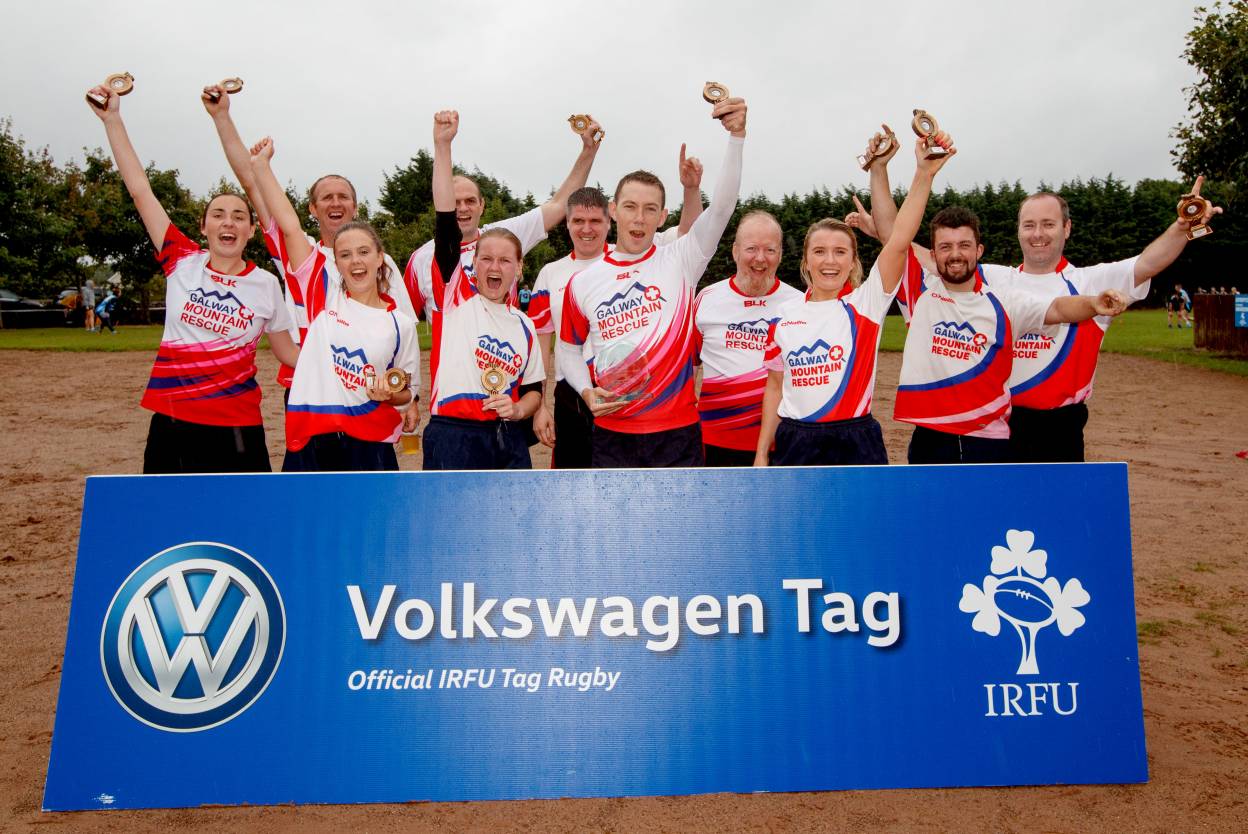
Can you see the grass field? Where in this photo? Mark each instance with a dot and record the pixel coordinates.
(1136, 332)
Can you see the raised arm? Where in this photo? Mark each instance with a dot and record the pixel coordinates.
(691, 182)
(133, 174)
(297, 246)
(1169, 245)
(709, 227)
(556, 208)
(883, 209)
(447, 236)
(235, 151)
(893, 253)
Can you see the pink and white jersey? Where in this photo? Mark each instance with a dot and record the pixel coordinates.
(205, 369)
(470, 334)
(546, 304)
(827, 350)
(345, 342)
(730, 333)
(298, 275)
(1056, 369)
(529, 227)
(956, 366)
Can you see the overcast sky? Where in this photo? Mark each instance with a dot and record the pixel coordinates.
(1048, 90)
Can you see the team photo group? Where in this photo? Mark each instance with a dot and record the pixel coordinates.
(998, 362)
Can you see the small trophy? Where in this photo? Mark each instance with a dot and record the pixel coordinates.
(881, 145)
(493, 381)
(230, 85)
(622, 370)
(1192, 207)
(118, 84)
(409, 444)
(580, 123)
(714, 92)
(397, 380)
(925, 127)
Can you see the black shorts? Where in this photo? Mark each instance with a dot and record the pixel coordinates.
(855, 442)
(574, 426)
(723, 456)
(654, 450)
(451, 443)
(930, 446)
(1048, 435)
(338, 452)
(176, 447)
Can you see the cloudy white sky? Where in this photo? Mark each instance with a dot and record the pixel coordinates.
(1047, 90)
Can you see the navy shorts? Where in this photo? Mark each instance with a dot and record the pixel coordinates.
(574, 426)
(338, 452)
(653, 450)
(1048, 435)
(855, 442)
(930, 446)
(723, 456)
(452, 443)
(176, 447)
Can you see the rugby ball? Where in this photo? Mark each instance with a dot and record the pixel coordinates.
(1023, 601)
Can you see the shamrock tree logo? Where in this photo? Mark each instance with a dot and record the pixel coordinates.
(1015, 593)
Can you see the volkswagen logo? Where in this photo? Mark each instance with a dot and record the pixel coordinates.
(193, 637)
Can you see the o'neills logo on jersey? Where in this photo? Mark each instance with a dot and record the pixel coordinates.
(216, 312)
(814, 364)
(491, 353)
(628, 310)
(747, 335)
(957, 340)
(351, 365)
(1029, 345)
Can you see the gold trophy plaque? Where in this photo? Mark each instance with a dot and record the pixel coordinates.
(230, 85)
(493, 381)
(714, 92)
(580, 123)
(117, 84)
(397, 380)
(925, 126)
(1192, 207)
(881, 145)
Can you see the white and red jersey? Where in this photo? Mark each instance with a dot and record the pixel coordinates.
(346, 342)
(298, 275)
(205, 369)
(730, 333)
(1057, 368)
(915, 281)
(546, 304)
(471, 334)
(827, 352)
(529, 227)
(956, 366)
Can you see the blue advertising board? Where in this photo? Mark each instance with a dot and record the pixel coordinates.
(460, 636)
(1241, 310)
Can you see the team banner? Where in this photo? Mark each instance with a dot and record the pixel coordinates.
(459, 636)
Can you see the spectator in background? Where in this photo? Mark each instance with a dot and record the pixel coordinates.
(88, 304)
(105, 309)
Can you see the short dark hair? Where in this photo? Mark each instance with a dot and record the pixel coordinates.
(588, 197)
(1060, 201)
(645, 178)
(251, 215)
(955, 217)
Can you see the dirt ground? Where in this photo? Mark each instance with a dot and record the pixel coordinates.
(67, 416)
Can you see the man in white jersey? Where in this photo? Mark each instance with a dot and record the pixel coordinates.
(1052, 372)
(732, 318)
(635, 310)
(588, 223)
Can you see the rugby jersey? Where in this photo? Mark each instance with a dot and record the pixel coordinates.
(956, 366)
(730, 334)
(529, 227)
(827, 352)
(205, 368)
(345, 342)
(297, 276)
(636, 313)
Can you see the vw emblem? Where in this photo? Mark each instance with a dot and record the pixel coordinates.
(192, 638)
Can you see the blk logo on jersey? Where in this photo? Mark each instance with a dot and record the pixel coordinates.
(351, 365)
(491, 353)
(957, 340)
(217, 312)
(193, 637)
(630, 309)
(811, 365)
(747, 335)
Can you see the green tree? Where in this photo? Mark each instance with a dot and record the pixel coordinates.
(1211, 142)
